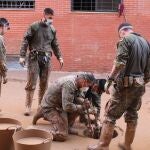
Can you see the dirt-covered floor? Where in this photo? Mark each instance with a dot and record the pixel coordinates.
(12, 104)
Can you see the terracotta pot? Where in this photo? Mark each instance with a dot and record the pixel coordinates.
(7, 128)
(32, 139)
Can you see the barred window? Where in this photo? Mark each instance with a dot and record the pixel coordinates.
(95, 5)
(17, 4)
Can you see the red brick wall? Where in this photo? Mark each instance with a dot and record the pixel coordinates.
(87, 40)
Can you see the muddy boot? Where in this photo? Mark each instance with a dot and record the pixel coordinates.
(37, 116)
(59, 137)
(27, 111)
(73, 131)
(105, 138)
(41, 94)
(28, 103)
(59, 132)
(129, 136)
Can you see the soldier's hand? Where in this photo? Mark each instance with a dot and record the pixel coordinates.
(22, 61)
(93, 111)
(80, 100)
(106, 87)
(108, 84)
(86, 104)
(61, 61)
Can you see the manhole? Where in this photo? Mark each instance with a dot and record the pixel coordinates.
(95, 134)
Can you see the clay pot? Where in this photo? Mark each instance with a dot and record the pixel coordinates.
(32, 139)
(7, 128)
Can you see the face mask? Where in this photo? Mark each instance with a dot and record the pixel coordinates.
(2, 31)
(49, 22)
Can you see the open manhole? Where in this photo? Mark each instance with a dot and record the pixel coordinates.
(97, 132)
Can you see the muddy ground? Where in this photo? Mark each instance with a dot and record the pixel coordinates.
(12, 104)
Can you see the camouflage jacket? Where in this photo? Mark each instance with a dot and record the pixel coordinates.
(133, 52)
(61, 94)
(40, 37)
(3, 68)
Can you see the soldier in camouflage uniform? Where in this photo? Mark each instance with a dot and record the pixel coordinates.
(41, 40)
(4, 26)
(94, 96)
(60, 106)
(129, 74)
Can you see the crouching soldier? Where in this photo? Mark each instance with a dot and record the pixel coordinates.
(59, 104)
(4, 26)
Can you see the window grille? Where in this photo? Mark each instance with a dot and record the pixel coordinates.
(95, 5)
(17, 4)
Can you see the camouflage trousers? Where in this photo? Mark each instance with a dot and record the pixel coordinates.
(0, 84)
(37, 69)
(125, 101)
(60, 123)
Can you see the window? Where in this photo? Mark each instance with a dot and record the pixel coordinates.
(95, 5)
(17, 4)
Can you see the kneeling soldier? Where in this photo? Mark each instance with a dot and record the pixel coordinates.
(59, 105)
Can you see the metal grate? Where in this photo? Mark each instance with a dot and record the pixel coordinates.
(17, 4)
(95, 5)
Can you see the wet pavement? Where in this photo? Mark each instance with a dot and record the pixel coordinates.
(13, 63)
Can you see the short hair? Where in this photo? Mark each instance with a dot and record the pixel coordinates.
(87, 76)
(48, 11)
(125, 26)
(101, 83)
(4, 21)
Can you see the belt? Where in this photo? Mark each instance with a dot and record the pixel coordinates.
(38, 52)
(130, 81)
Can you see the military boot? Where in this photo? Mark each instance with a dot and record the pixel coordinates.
(105, 138)
(73, 131)
(129, 136)
(28, 103)
(37, 116)
(41, 94)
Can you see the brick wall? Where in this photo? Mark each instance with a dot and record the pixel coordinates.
(87, 40)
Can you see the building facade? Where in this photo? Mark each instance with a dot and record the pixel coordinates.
(87, 29)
